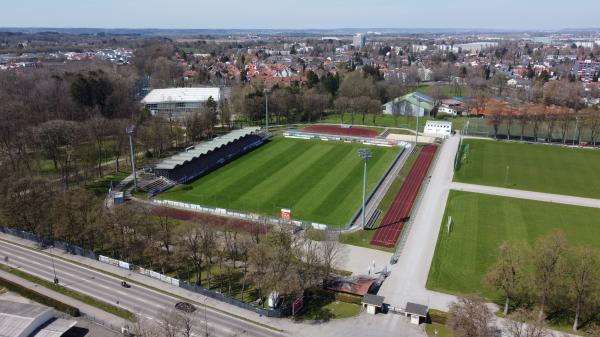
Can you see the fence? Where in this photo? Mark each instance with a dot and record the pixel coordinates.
(239, 215)
(285, 311)
(67, 247)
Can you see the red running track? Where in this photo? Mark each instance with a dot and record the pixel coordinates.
(391, 226)
(338, 130)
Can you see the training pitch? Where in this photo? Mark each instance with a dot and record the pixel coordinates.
(319, 181)
(533, 167)
(481, 222)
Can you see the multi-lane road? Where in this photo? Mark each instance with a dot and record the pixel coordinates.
(144, 302)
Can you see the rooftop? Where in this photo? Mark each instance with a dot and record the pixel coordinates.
(204, 148)
(417, 309)
(373, 300)
(21, 319)
(181, 95)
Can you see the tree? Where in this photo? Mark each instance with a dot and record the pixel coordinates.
(342, 105)
(507, 274)
(495, 118)
(525, 323)
(470, 317)
(593, 122)
(548, 252)
(581, 271)
(523, 120)
(331, 253)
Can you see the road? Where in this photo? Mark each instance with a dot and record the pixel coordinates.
(146, 303)
(409, 275)
(521, 194)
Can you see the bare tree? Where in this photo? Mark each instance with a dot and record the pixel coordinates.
(548, 251)
(470, 317)
(331, 254)
(581, 271)
(593, 122)
(507, 274)
(525, 323)
(495, 118)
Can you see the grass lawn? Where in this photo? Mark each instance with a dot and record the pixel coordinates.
(319, 181)
(100, 186)
(533, 167)
(362, 238)
(442, 330)
(322, 305)
(481, 222)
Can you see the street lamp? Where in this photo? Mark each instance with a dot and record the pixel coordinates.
(266, 91)
(417, 126)
(576, 128)
(54, 270)
(129, 132)
(365, 154)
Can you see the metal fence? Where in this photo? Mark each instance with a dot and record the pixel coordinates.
(44, 242)
(284, 311)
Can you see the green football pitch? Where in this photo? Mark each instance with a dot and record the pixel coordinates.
(534, 167)
(319, 181)
(481, 222)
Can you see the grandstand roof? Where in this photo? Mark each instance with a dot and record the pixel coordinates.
(181, 95)
(204, 148)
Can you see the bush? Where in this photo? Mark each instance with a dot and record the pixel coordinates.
(40, 298)
(437, 316)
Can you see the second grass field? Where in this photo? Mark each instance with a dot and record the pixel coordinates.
(481, 222)
(319, 181)
(541, 168)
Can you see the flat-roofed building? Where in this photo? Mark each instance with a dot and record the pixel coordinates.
(177, 102)
(29, 320)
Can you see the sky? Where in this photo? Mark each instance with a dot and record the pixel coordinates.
(301, 14)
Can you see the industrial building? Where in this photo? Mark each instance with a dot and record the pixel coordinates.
(412, 104)
(178, 102)
(29, 320)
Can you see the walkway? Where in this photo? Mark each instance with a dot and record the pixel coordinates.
(521, 194)
(409, 275)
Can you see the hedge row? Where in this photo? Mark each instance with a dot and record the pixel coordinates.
(39, 298)
(437, 316)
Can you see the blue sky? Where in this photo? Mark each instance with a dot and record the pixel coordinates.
(505, 14)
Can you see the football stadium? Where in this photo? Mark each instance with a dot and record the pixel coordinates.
(311, 178)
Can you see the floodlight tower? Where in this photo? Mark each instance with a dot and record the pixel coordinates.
(365, 154)
(266, 91)
(417, 127)
(129, 132)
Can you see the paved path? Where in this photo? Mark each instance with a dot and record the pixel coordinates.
(521, 194)
(409, 275)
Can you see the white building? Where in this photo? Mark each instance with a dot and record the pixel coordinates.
(177, 102)
(438, 128)
(29, 320)
(359, 41)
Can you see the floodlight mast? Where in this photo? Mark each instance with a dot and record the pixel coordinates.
(129, 132)
(266, 91)
(365, 154)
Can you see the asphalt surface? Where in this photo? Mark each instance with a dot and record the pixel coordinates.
(144, 302)
(408, 277)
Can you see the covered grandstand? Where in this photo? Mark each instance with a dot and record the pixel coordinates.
(191, 164)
